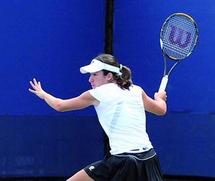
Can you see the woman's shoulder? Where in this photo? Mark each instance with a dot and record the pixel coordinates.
(109, 87)
(136, 87)
(114, 87)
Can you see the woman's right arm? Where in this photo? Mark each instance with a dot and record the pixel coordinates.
(79, 102)
(157, 105)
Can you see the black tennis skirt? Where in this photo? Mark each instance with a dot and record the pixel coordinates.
(143, 166)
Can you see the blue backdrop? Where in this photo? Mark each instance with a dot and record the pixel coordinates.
(50, 40)
(183, 138)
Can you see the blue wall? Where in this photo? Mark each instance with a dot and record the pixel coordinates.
(183, 138)
(48, 40)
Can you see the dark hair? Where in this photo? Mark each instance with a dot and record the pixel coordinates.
(123, 81)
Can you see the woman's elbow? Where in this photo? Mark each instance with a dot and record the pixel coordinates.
(59, 106)
(59, 109)
(162, 111)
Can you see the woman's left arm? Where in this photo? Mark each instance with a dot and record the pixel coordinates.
(80, 102)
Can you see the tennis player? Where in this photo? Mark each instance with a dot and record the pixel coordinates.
(120, 106)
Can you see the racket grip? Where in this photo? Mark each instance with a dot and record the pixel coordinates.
(163, 83)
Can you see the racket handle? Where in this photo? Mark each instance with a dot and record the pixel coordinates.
(163, 83)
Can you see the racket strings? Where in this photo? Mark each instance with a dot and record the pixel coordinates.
(175, 52)
(179, 44)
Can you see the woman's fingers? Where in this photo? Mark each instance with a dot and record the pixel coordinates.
(35, 82)
(36, 88)
(35, 85)
(31, 90)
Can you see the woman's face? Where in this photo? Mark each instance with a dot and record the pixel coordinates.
(98, 78)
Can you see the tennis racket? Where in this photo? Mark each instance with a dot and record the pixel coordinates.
(178, 38)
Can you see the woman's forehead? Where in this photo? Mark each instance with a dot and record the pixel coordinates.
(98, 72)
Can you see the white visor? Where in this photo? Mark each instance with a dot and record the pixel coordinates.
(97, 65)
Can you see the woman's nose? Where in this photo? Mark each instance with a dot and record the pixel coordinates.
(90, 79)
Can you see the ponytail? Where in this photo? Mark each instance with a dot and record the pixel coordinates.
(124, 80)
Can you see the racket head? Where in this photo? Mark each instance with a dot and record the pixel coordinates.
(178, 36)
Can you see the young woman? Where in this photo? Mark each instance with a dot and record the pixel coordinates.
(120, 106)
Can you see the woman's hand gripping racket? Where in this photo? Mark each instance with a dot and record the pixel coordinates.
(178, 38)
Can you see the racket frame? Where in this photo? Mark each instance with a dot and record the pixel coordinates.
(166, 74)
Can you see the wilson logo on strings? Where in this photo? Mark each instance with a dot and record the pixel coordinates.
(179, 37)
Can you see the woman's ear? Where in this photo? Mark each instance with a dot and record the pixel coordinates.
(109, 76)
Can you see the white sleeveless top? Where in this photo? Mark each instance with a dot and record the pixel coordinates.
(121, 114)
